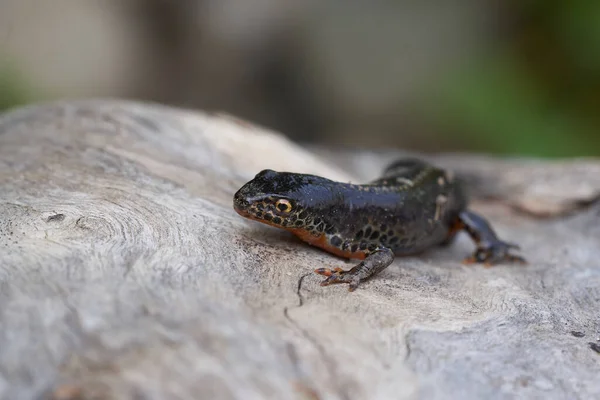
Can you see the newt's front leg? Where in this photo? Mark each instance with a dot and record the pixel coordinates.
(490, 249)
(374, 263)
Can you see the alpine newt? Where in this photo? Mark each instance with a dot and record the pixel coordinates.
(412, 207)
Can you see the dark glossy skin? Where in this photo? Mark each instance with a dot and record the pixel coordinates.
(412, 207)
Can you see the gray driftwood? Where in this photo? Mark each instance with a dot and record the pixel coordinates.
(126, 274)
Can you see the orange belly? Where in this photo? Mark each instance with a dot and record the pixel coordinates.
(318, 241)
(322, 242)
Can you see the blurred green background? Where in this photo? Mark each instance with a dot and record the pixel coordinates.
(506, 77)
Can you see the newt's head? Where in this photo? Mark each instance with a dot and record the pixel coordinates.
(283, 199)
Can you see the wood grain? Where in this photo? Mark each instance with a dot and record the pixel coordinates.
(125, 273)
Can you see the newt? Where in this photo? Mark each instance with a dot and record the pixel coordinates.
(412, 207)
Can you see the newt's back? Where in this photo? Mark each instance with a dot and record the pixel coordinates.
(410, 208)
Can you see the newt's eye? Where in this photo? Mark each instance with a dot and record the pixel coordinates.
(283, 205)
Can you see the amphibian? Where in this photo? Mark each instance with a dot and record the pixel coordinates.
(413, 206)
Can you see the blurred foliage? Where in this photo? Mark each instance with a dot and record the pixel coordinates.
(535, 92)
(539, 95)
(13, 88)
(497, 106)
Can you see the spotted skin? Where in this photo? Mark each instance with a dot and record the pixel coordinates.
(413, 206)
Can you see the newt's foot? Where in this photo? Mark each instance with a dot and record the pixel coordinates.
(494, 253)
(338, 275)
(374, 263)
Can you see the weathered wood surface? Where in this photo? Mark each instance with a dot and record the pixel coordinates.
(125, 273)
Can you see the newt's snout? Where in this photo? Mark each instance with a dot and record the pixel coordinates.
(240, 202)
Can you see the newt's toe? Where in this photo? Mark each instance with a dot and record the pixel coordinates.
(328, 271)
(494, 253)
(517, 259)
(338, 275)
(469, 260)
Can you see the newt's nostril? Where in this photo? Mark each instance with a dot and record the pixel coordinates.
(239, 201)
